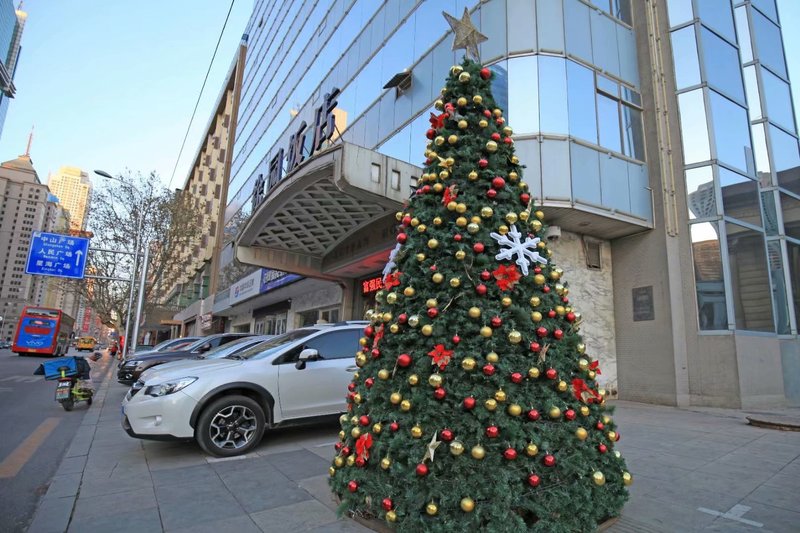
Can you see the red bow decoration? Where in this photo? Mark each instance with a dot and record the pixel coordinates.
(392, 279)
(441, 356)
(584, 393)
(506, 276)
(378, 336)
(363, 444)
(450, 194)
(595, 365)
(437, 121)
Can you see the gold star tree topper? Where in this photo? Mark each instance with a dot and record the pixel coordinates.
(467, 35)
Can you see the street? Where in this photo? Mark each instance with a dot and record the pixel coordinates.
(36, 433)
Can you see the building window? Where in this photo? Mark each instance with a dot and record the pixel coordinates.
(712, 308)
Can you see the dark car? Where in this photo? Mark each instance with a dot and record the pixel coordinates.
(132, 368)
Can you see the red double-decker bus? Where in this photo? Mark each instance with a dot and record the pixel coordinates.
(43, 331)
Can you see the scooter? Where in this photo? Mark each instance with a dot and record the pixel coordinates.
(72, 374)
(69, 391)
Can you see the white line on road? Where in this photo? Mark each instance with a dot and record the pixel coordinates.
(21, 379)
(734, 513)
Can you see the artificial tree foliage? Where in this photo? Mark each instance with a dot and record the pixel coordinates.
(476, 405)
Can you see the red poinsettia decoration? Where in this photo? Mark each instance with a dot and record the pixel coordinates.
(583, 392)
(441, 356)
(392, 279)
(378, 336)
(437, 121)
(595, 365)
(450, 195)
(363, 444)
(507, 276)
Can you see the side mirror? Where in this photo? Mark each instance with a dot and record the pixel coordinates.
(204, 348)
(309, 354)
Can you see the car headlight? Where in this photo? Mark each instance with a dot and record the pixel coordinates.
(132, 363)
(168, 387)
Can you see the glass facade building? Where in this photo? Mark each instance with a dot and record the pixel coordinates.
(12, 23)
(660, 138)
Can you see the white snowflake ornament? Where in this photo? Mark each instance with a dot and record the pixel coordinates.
(525, 251)
(391, 263)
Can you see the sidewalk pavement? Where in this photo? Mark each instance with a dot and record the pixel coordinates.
(694, 470)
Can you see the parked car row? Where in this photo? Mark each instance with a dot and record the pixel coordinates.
(225, 390)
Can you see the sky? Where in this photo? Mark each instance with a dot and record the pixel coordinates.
(111, 85)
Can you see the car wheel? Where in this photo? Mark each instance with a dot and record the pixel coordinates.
(231, 425)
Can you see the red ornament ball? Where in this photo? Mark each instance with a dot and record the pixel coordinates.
(338, 446)
(376, 353)
(602, 448)
(486, 73)
(369, 382)
(537, 270)
(431, 133)
(508, 140)
(534, 480)
(360, 462)
(433, 312)
(481, 289)
(525, 198)
(483, 163)
(510, 454)
(498, 182)
(439, 393)
(469, 403)
(486, 275)
(516, 377)
(369, 331)
(500, 121)
(363, 420)
(387, 504)
(546, 289)
(551, 373)
(496, 322)
(402, 318)
(570, 317)
(495, 136)
(351, 387)
(422, 469)
(534, 415)
(478, 247)
(492, 432)
(346, 451)
(491, 194)
(549, 461)
(401, 238)
(433, 268)
(456, 339)
(558, 334)
(352, 486)
(487, 113)
(541, 331)
(407, 220)
(570, 414)
(535, 346)
(600, 426)
(426, 189)
(447, 435)
(457, 237)
(394, 426)
(565, 300)
(551, 314)
(404, 360)
(488, 369)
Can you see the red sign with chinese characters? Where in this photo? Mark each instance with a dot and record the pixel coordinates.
(371, 285)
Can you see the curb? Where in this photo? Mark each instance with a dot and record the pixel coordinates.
(780, 423)
(54, 510)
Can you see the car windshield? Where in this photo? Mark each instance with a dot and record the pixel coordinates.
(267, 348)
(172, 344)
(194, 346)
(230, 348)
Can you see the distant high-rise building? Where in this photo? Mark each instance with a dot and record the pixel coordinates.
(12, 22)
(72, 187)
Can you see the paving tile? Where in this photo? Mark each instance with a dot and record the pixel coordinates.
(108, 504)
(64, 485)
(99, 486)
(264, 489)
(296, 517)
(666, 516)
(784, 481)
(318, 487)
(193, 504)
(72, 465)
(180, 476)
(52, 515)
(343, 524)
(238, 524)
(137, 521)
(774, 518)
(776, 497)
(299, 464)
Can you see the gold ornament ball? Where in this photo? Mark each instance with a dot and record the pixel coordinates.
(477, 452)
(539, 215)
(473, 228)
(581, 348)
(538, 279)
(555, 275)
(533, 372)
(456, 70)
(461, 102)
(581, 433)
(460, 255)
(413, 321)
(531, 449)
(432, 508)
(355, 432)
(514, 409)
(435, 381)
(361, 360)
(497, 113)
(536, 225)
(491, 146)
(420, 257)
(377, 428)
(416, 432)
(560, 311)
(438, 277)
(500, 395)
(467, 504)
(505, 301)
(606, 419)
(585, 410)
(591, 374)
(461, 222)
(427, 330)
(386, 463)
(554, 412)
(431, 302)
(461, 208)
(391, 298)
(413, 380)
(560, 291)
(492, 357)
(468, 364)
(444, 174)
(342, 435)
(363, 341)
(395, 398)
(507, 131)
(562, 386)
(603, 392)
(524, 215)
(583, 364)
(351, 460)
(464, 77)
(514, 337)
(472, 175)
(456, 448)
(483, 123)
(612, 436)
(598, 478)
(627, 478)
(391, 516)
(535, 301)
(511, 218)
(415, 222)
(502, 230)
(422, 228)
(438, 141)
(514, 160)
(513, 176)
(490, 404)
(339, 461)
(433, 244)
(477, 99)
(405, 405)
(453, 139)
(617, 454)
(536, 316)
(438, 187)
(408, 292)
(399, 215)
(384, 374)
(437, 221)
(438, 104)
(474, 312)
(463, 124)
(386, 317)
(487, 212)
(354, 420)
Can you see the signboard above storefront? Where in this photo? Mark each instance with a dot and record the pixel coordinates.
(245, 288)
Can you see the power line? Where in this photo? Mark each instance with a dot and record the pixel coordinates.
(185, 137)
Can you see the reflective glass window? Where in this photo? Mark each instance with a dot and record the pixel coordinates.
(529, 151)
(747, 260)
(731, 132)
(555, 165)
(500, 86)
(779, 293)
(740, 198)
(793, 260)
(709, 280)
(628, 60)
(552, 88)
(493, 22)
(717, 14)
(631, 96)
(743, 29)
(701, 198)
(722, 67)
(607, 85)
(523, 90)
(578, 28)
(614, 183)
(429, 25)
(684, 50)
(604, 43)
(694, 131)
(778, 100)
(608, 123)
(632, 133)
(768, 8)
(753, 94)
(770, 212)
(763, 167)
(622, 10)
(520, 36)
(790, 208)
(785, 159)
(398, 145)
(768, 43)
(641, 195)
(679, 11)
(585, 173)
(550, 26)
(581, 102)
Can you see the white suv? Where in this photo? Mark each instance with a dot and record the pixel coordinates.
(226, 404)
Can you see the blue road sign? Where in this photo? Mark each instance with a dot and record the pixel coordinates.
(52, 254)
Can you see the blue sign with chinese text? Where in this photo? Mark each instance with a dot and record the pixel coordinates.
(52, 254)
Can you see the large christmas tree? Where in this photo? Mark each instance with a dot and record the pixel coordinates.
(476, 405)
